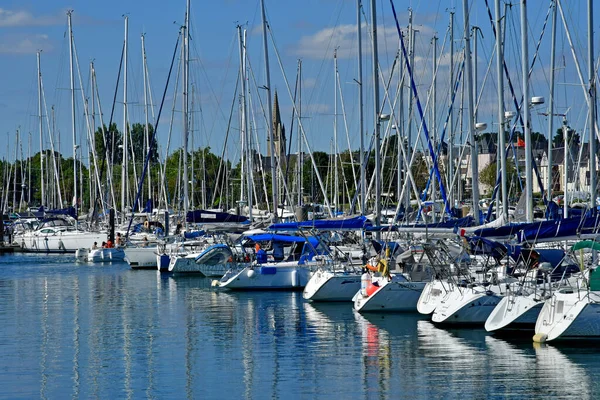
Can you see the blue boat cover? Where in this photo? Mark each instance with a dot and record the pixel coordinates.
(63, 211)
(559, 228)
(480, 245)
(272, 237)
(193, 234)
(358, 222)
(205, 216)
(450, 223)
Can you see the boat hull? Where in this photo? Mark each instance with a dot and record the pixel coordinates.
(514, 312)
(432, 295)
(392, 296)
(141, 257)
(67, 242)
(280, 276)
(570, 316)
(332, 286)
(466, 307)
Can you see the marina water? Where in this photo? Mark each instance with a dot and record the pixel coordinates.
(73, 330)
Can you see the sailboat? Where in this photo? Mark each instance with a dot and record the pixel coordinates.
(289, 267)
(520, 308)
(573, 313)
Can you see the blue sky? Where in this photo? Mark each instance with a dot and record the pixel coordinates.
(307, 30)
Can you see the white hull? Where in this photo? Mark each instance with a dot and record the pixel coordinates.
(326, 285)
(283, 275)
(100, 255)
(141, 257)
(216, 271)
(570, 315)
(183, 263)
(514, 312)
(188, 264)
(469, 306)
(432, 295)
(397, 295)
(67, 241)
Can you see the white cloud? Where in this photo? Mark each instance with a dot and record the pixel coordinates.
(9, 18)
(25, 44)
(343, 37)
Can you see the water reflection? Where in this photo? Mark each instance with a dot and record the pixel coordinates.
(110, 332)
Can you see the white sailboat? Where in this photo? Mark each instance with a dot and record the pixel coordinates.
(573, 313)
(337, 283)
(520, 308)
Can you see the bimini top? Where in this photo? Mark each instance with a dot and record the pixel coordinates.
(336, 224)
(272, 237)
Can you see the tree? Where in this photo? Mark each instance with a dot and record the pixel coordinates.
(310, 183)
(113, 139)
(487, 175)
(420, 171)
(559, 140)
(139, 145)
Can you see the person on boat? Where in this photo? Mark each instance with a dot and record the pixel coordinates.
(118, 240)
(103, 245)
(109, 244)
(145, 241)
(261, 255)
(95, 246)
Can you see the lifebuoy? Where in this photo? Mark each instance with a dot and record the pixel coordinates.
(146, 224)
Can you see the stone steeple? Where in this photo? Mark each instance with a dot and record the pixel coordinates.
(278, 133)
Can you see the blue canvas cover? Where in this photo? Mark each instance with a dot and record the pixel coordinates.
(351, 223)
(205, 216)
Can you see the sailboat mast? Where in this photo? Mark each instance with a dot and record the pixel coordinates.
(360, 107)
(592, 113)
(146, 127)
(270, 127)
(411, 59)
(526, 130)
(451, 194)
(242, 116)
(186, 87)
(124, 134)
(41, 125)
(551, 102)
(335, 138)
(433, 118)
(299, 158)
(246, 153)
(377, 116)
(501, 116)
(72, 78)
(471, 116)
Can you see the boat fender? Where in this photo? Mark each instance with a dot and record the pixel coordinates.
(295, 278)
(540, 338)
(365, 281)
(372, 288)
(215, 283)
(251, 273)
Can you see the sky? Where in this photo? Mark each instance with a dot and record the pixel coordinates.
(308, 30)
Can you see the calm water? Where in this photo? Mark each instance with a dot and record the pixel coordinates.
(90, 331)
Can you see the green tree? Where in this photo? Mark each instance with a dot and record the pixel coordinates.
(559, 138)
(139, 144)
(487, 176)
(113, 139)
